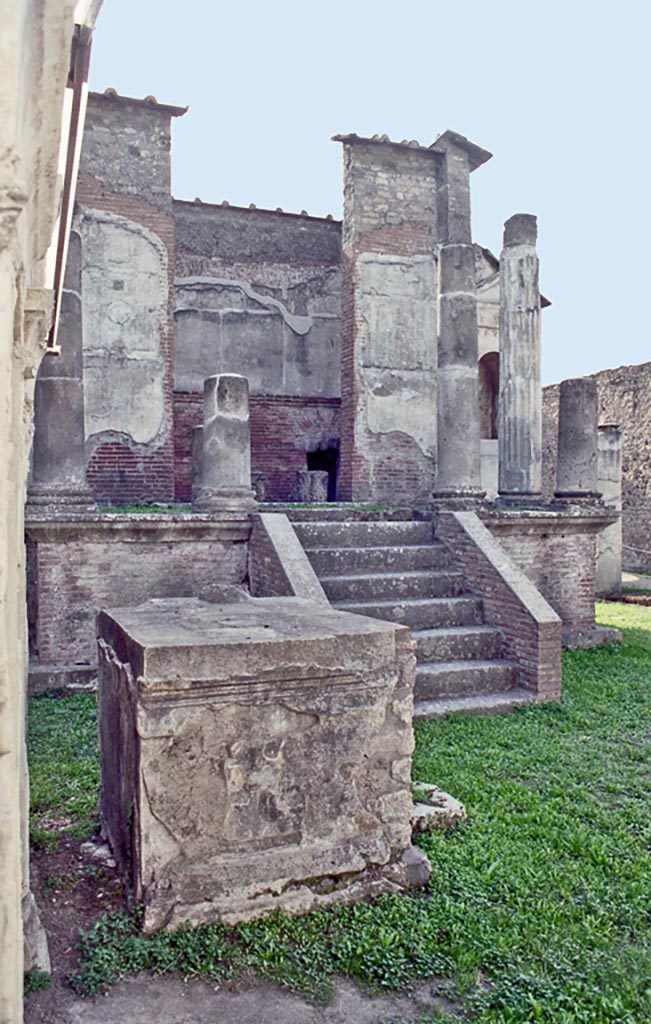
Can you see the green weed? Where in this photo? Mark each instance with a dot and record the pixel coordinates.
(64, 767)
(35, 981)
(539, 910)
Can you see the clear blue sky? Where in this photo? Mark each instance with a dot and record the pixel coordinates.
(558, 92)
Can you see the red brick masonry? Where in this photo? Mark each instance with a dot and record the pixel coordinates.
(531, 629)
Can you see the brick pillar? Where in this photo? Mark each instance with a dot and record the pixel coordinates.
(389, 354)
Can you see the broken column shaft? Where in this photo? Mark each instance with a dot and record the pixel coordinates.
(458, 471)
(226, 457)
(576, 467)
(58, 473)
(609, 483)
(520, 396)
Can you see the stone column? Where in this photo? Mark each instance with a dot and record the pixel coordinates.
(578, 414)
(226, 460)
(519, 428)
(58, 473)
(458, 472)
(609, 541)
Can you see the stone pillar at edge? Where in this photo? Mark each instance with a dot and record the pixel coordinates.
(58, 472)
(577, 463)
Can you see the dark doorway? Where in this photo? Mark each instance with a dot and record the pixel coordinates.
(489, 386)
(327, 461)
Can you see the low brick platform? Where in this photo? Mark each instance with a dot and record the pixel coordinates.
(79, 563)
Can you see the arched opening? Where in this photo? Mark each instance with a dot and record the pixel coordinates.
(489, 386)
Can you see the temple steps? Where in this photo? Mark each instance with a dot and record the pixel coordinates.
(359, 534)
(395, 569)
(393, 585)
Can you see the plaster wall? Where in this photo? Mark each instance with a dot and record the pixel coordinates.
(258, 292)
(124, 284)
(34, 61)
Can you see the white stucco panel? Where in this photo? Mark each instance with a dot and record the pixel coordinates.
(398, 345)
(125, 289)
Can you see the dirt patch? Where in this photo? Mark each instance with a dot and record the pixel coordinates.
(168, 1000)
(72, 893)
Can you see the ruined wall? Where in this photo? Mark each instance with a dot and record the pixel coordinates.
(282, 431)
(258, 292)
(624, 399)
(389, 329)
(124, 215)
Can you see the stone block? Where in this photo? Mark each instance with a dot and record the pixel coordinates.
(247, 753)
(435, 809)
(312, 485)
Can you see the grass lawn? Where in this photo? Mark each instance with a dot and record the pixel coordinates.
(538, 910)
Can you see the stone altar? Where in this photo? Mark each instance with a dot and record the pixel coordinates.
(256, 755)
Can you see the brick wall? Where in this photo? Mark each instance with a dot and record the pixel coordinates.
(125, 173)
(278, 565)
(624, 399)
(283, 430)
(119, 469)
(532, 632)
(81, 564)
(390, 210)
(557, 552)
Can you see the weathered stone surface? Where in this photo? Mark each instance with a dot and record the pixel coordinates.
(36, 952)
(578, 415)
(35, 50)
(438, 810)
(135, 162)
(58, 474)
(520, 394)
(312, 485)
(247, 755)
(489, 448)
(99, 853)
(259, 482)
(388, 346)
(609, 483)
(226, 448)
(278, 566)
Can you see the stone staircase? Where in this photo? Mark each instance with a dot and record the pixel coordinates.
(394, 569)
